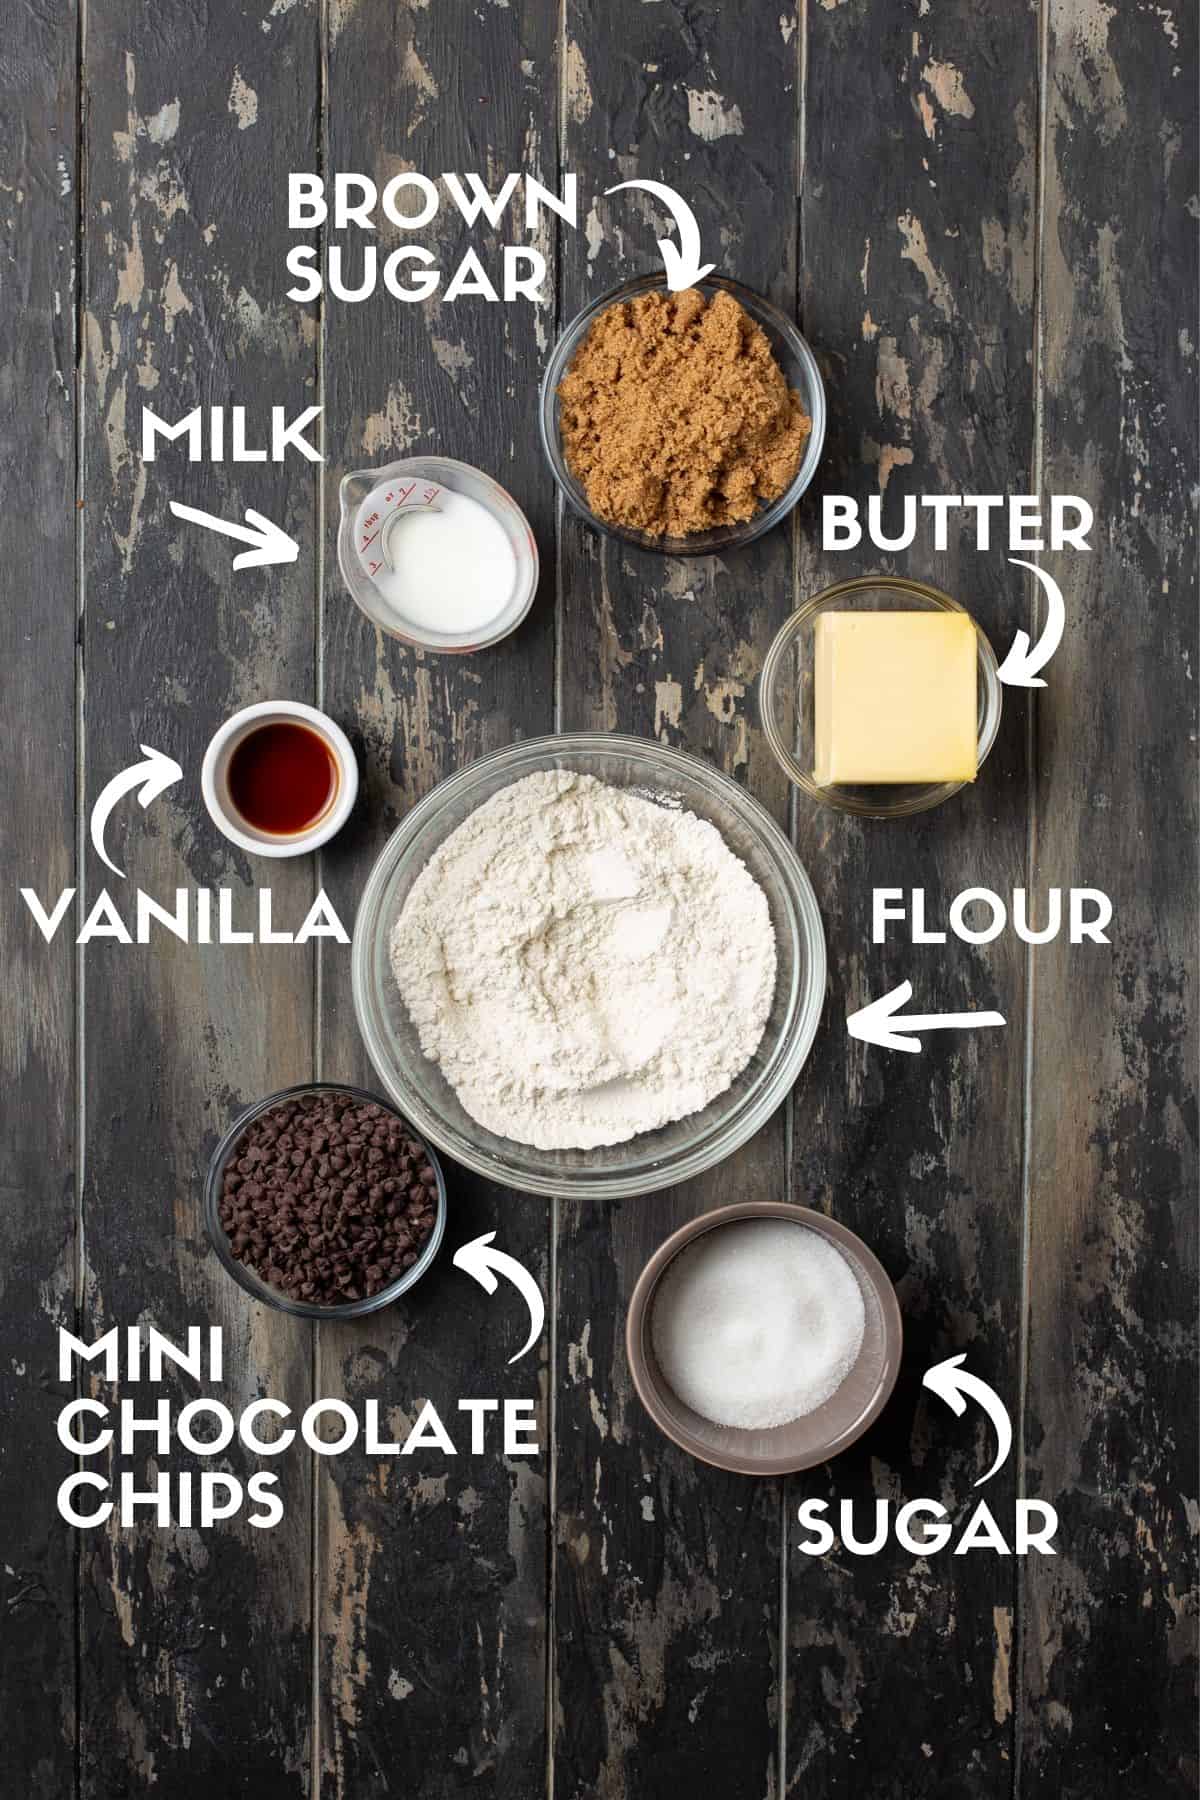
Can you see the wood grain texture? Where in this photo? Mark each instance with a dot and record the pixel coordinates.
(432, 1572)
(983, 218)
(195, 1645)
(1108, 1632)
(38, 202)
(666, 1574)
(918, 227)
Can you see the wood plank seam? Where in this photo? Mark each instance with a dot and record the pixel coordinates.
(789, 1486)
(80, 1062)
(1033, 590)
(323, 166)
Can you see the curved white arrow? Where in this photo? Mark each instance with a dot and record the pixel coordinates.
(955, 1385)
(1020, 667)
(154, 777)
(270, 544)
(681, 261)
(876, 1023)
(479, 1260)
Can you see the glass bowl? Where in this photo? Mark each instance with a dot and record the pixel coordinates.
(654, 1159)
(785, 696)
(261, 1290)
(794, 357)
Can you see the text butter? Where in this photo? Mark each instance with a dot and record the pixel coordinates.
(895, 697)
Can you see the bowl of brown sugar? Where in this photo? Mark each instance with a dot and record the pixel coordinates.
(684, 422)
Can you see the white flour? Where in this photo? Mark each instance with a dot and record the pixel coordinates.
(583, 963)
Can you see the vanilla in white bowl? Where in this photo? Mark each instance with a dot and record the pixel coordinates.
(282, 829)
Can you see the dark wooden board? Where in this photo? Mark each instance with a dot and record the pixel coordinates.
(918, 222)
(194, 1656)
(667, 1575)
(432, 1572)
(980, 216)
(38, 204)
(1107, 1640)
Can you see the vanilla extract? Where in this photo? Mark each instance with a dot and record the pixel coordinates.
(197, 916)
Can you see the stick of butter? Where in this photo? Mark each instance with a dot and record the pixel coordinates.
(895, 697)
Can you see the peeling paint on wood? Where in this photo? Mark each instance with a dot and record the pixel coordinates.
(921, 1155)
(666, 1650)
(1111, 1430)
(965, 278)
(194, 1647)
(37, 1037)
(442, 1577)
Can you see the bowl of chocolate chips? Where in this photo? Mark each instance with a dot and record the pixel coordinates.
(322, 1201)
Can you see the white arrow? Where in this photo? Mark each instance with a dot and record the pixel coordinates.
(270, 544)
(1020, 667)
(154, 777)
(876, 1023)
(954, 1384)
(479, 1259)
(680, 261)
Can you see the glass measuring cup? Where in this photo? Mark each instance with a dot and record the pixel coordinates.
(371, 502)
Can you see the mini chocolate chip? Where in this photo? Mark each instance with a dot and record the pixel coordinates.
(328, 1198)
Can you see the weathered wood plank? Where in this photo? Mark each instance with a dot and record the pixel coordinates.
(667, 1575)
(39, 185)
(1073, 1676)
(432, 1573)
(195, 1655)
(917, 218)
(1108, 1630)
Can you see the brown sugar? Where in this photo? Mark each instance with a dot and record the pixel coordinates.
(675, 416)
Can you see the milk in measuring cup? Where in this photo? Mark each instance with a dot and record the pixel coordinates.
(439, 560)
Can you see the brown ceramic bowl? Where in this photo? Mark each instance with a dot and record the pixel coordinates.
(804, 1442)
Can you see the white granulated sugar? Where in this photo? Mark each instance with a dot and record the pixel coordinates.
(757, 1323)
(583, 964)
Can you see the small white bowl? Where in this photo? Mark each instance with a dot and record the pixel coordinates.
(214, 780)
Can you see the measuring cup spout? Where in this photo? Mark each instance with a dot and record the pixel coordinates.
(352, 487)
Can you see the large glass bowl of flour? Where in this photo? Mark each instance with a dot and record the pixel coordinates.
(652, 1159)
